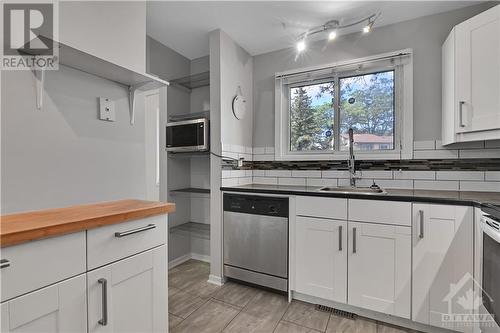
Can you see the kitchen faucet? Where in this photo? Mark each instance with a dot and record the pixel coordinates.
(351, 162)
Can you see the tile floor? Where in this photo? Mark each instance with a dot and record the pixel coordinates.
(196, 306)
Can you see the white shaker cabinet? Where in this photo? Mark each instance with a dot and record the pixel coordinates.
(321, 258)
(61, 307)
(129, 295)
(442, 257)
(471, 79)
(380, 268)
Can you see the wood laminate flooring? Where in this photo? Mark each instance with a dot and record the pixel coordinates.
(196, 306)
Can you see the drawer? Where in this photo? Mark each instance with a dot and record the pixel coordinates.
(39, 263)
(380, 211)
(333, 208)
(106, 244)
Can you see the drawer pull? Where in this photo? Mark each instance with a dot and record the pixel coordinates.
(134, 231)
(354, 249)
(340, 238)
(421, 233)
(104, 320)
(4, 263)
(461, 113)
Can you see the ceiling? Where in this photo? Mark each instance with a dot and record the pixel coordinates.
(264, 26)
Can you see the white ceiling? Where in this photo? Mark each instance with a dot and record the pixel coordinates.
(264, 26)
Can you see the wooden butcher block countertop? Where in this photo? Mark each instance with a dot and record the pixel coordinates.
(29, 226)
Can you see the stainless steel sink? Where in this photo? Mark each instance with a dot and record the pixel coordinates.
(349, 189)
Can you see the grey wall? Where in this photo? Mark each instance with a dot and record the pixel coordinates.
(424, 35)
(63, 155)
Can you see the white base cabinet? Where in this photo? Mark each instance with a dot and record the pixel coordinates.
(61, 307)
(380, 268)
(442, 259)
(321, 258)
(129, 295)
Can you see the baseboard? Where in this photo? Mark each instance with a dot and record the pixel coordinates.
(186, 257)
(217, 280)
(179, 260)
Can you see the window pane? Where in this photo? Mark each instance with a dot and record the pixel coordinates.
(367, 105)
(312, 117)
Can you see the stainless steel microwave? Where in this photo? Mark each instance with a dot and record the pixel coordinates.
(188, 135)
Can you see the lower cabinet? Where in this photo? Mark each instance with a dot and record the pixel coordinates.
(129, 295)
(442, 262)
(321, 258)
(61, 307)
(380, 268)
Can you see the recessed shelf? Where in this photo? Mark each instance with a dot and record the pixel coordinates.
(192, 190)
(192, 81)
(199, 230)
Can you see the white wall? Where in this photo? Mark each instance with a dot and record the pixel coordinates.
(230, 66)
(63, 155)
(424, 35)
(113, 30)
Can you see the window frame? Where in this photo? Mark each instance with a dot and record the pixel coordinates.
(403, 109)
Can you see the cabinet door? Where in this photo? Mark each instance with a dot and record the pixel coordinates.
(478, 72)
(129, 295)
(380, 268)
(61, 307)
(442, 257)
(321, 258)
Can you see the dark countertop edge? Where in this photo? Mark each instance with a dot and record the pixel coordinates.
(386, 197)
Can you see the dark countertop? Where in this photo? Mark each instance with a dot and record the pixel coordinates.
(478, 199)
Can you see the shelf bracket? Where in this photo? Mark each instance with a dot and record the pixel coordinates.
(39, 84)
(132, 94)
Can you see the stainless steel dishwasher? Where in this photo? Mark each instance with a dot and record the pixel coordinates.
(256, 240)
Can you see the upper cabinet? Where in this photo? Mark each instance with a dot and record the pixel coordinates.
(471, 80)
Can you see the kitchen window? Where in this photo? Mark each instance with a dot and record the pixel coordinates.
(316, 107)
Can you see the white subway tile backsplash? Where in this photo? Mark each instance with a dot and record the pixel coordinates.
(335, 174)
(434, 154)
(405, 174)
(278, 173)
(395, 183)
(263, 157)
(359, 182)
(229, 182)
(259, 173)
(321, 182)
(292, 181)
(424, 145)
(480, 186)
(265, 180)
(245, 180)
(269, 150)
(381, 174)
(442, 185)
(492, 176)
(480, 153)
(460, 175)
(259, 150)
(306, 173)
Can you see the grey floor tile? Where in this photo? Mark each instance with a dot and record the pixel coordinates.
(338, 324)
(288, 327)
(183, 304)
(235, 294)
(305, 314)
(262, 314)
(384, 328)
(202, 288)
(173, 321)
(212, 317)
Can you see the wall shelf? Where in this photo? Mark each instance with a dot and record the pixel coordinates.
(192, 81)
(199, 230)
(190, 190)
(88, 63)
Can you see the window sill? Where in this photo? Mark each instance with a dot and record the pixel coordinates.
(360, 156)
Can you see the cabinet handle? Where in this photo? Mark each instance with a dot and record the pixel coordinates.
(353, 240)
(134, 231)
(461, 113)
(421, 215)
(4, 263)
(340, 238)
(104, 320)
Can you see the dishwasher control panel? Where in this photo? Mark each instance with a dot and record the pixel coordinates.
(258, 205)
